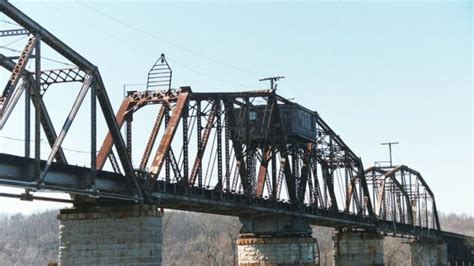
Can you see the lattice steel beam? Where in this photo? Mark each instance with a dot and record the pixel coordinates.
(63, 75)
(13, 32)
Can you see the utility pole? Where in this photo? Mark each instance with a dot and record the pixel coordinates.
(272, 80)
(390, 149)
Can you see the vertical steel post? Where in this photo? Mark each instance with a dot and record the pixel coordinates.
(93, 135)
(227, 153)
(199, 140)
(346, 181)
(185, 144)
(219, 144)
(37, 91)
(128, 133)
(296, 171)
(27, 120)
(248, 152)
(167, 159)
(274, 153)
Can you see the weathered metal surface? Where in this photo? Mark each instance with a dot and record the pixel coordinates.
(313, 173)
(64, 75)
(401, 194)
(262, 172)
(13, 32)
(203, 144)
(103, 153)
(42, 36)
(170, 130)
(152, 138)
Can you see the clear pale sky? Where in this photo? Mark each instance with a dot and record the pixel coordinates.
(375, 71)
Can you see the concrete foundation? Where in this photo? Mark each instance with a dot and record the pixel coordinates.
(118, 235)
(254, 251)
(428, 252)
(358, 248)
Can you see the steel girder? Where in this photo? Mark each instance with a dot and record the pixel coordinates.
(401, 194)
(324, 179)
(85, 73)
(306, 169)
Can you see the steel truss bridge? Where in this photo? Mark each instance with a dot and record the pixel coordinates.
(248, 154)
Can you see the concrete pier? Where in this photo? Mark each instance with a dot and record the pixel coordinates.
(112, 235)
(358, 248)
(428, 252)
(253, 251)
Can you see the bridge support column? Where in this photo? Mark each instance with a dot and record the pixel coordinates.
(428, 252)
(112, 235)
(276, 241)
(358, 248)
(276, 250)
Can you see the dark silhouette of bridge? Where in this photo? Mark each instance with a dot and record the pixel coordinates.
(252, 154)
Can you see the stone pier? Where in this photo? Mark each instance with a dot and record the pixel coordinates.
(276, 251)
(276, 240)
(112, 235)
(428, 252)
(358, 248)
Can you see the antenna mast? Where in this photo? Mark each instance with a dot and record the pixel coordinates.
(273, 81)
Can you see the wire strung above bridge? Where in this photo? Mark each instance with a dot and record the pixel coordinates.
(245, 154)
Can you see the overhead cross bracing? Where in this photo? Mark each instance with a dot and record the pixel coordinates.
(245, 154)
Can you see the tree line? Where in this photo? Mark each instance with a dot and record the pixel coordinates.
(188, 239)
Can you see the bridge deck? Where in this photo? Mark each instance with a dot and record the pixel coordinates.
(16, 171)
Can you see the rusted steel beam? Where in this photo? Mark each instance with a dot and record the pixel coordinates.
(263, 171)
(74, 57)
(290, 180)
(142, 98)
(305, 172)
(352, 194)
(16, 74)
(379, 197)
(38, 102)
(329, 180)
(237, 145)
(317, 187)
(285, 168)
(390, 174)
(30, 25)
(204, 140)
(170, 130)
(152, 138)
(365, 187)
(104, 151)
(116, 137)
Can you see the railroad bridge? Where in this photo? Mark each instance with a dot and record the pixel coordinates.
(275, 164)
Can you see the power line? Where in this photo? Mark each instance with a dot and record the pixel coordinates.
(166, 41)
(42, 57)
(152, 36)
(43, 142)
(209, 76)
(15, 41)
(8, 22)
